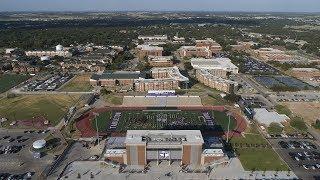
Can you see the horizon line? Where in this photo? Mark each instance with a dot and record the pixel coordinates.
(157, 11)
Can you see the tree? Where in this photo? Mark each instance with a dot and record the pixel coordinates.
(298, 123)
(232, 97)
(188, 66)
(275, 128)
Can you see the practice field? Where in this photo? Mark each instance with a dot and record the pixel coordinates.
(80, 83)
(8, 81)
(162, 119)
(255, 153)
(51, 107)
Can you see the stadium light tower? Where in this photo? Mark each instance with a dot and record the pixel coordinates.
(228, 126)
(97, 128)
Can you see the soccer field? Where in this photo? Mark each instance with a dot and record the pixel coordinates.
(52, 107)
(161, 119)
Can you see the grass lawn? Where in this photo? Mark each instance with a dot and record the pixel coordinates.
(78, 84)
(53, 107)
(258, 158)
(113, 99)
(8, 81)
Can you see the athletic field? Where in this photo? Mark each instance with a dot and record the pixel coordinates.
(161, 119)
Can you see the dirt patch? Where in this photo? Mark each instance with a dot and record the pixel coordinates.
(309, 111)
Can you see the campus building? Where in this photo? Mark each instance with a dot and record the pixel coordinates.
(143, 146)
(209, 43)
(142, 85)
(112, 79)
(219, 66)
(193, 51)
(270, 54)
(204, 76)
(49, 53)
(160, 61)
(146, 51)
(153, 38)
(214, 73)
(168, 78)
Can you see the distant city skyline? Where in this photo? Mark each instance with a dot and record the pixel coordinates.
(162, 5)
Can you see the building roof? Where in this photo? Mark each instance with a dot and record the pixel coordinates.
(206, 73)
(217, 63)
(150, 48)
(39, 144)
(173, 73)
(263, 116)
(117, 75)
(165, 137)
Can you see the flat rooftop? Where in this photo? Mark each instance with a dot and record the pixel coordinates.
(150, 48)
(216, 63)
(166, 137)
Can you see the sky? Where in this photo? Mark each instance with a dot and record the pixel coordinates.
(162, 5)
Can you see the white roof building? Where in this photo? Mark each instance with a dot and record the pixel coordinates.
(217, 63)
(149, 48)
(263, 116)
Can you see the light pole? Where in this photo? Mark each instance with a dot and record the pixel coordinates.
(228, 127)
(97, 128)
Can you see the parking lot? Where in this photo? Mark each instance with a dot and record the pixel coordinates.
(302, 155)
(252, 66)
(292, 97)
(16, 159)
(49, 83)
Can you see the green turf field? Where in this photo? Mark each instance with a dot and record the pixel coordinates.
(153, 119)
(222, 119)
(8, 81)
(53, 107)
(255, 153)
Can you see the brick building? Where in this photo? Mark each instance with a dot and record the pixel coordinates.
(146, 51)
(160, 61)
(193, 51)
(209, 43)
(110, 79)
(144, 146)
(142, 85)
(204, 76)
(270, 54)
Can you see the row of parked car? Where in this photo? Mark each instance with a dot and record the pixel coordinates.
(303, 156)
(311, 166)
(297, 145)
(11, 149)
(10, 139)
(23, 176)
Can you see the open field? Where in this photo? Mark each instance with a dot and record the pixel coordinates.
(255, 153)
(309, 111)
(80, 83)
(8, 81)
(51, 107)
(113, 98)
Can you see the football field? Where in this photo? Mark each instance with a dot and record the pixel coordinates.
(161, 119)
